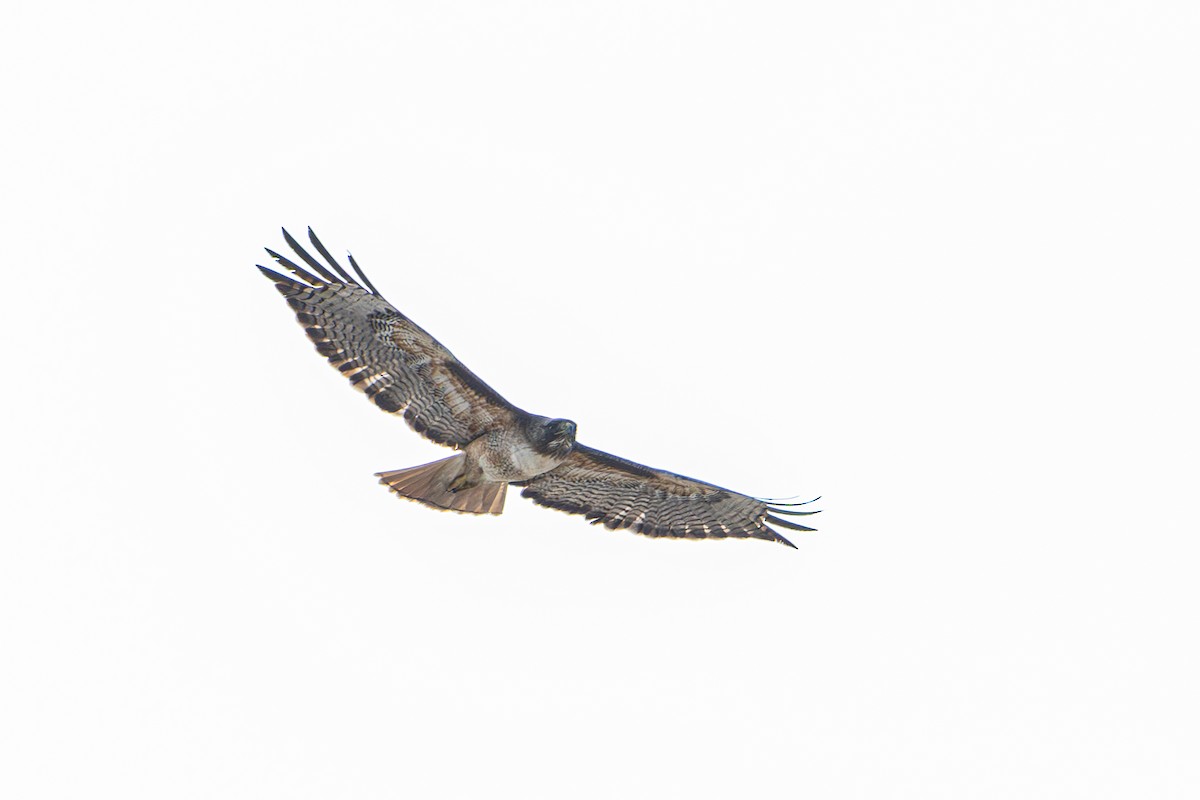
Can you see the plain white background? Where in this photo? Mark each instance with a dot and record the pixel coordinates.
(934, 261)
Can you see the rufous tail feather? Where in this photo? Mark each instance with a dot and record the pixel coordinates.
(429, 484)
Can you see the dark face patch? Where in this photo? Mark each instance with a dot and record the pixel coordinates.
(557, 437)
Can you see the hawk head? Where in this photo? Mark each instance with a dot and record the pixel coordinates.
(555, 437)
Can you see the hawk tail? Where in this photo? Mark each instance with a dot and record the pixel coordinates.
(430, 484)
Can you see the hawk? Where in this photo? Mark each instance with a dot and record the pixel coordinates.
(405, 371)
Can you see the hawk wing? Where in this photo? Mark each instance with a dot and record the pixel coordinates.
(399, 366)
(622, 494)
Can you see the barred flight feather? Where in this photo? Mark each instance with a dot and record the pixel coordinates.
(399, 366)
(606, 489)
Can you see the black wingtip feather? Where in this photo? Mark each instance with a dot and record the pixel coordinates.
(778, 501)
(365, 281)
(312, 237)
(787, 524)
(793, 513)
(282, 280)
(307, 258)
(295, 268)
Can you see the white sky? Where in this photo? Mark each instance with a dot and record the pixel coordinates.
(934, 261)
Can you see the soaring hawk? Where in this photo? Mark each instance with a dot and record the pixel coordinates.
(405, 371)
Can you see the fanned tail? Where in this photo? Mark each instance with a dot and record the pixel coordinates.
(430, 484)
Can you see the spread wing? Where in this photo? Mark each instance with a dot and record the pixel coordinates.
(386, 355)
(621, 494)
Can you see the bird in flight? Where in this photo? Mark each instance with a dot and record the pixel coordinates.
(405, 371)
